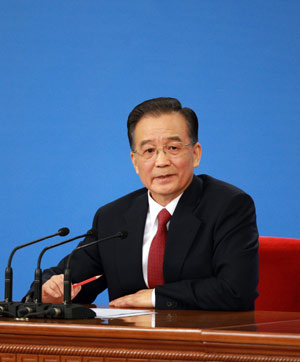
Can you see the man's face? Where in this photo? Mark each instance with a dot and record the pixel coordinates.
(166, 176)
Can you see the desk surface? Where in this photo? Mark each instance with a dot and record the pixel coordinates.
(176, 333)
(164, 322)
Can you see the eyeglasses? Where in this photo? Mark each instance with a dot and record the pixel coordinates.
(171, 149)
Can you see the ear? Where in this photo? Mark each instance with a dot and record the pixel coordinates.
(133, 160)
(197, 153)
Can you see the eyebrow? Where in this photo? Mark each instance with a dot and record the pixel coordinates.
(171, 138)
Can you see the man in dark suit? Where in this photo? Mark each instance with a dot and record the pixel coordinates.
(204, 255)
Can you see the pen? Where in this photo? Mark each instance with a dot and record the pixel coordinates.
(87, 281)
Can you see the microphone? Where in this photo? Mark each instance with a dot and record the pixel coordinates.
(8, 307)
(37, 307)
(38, 271)
(67, 276)
(67, 310)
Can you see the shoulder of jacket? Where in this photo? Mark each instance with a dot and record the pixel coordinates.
(123, 202)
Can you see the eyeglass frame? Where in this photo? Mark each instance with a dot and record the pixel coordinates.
(164, 150)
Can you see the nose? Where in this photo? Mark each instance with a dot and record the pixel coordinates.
(162, 158)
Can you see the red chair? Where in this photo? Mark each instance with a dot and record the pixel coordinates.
(279, 274)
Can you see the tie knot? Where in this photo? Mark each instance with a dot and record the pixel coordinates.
(163, 217)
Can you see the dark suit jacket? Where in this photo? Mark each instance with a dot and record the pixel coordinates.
(211, 257)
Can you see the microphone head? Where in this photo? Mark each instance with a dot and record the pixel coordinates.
(63, 231)
(123, 234)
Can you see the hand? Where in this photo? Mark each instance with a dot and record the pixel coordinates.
(53, 290)
(140, 299)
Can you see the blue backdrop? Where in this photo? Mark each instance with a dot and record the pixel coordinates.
(71, 71)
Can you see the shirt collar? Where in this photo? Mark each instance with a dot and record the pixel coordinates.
(155, 208)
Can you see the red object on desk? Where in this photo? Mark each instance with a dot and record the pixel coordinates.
(87, 281)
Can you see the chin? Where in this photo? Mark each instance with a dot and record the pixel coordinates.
(166, 193)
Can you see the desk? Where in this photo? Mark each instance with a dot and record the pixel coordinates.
(170, 336)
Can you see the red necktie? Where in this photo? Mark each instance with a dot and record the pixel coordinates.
(157, 251)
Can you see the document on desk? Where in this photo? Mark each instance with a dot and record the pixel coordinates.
(119, 313)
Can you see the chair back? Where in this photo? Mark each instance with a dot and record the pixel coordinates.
(279, 274)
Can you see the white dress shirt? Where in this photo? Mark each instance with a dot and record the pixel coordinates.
(151, 229)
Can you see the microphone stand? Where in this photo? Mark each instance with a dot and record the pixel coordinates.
(8, 307)
(36, 308)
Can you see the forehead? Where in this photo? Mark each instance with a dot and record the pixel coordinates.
(164, 126)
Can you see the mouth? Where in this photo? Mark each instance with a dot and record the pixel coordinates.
(163, 177)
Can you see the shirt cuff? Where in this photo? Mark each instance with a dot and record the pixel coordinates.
(153, 298)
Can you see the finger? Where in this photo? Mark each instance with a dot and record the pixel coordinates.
(56, 286)
(49, 288)
(75, 291)
(114, 303)
(52, 291)
(121, 302)
(58, 283)
(140, 299)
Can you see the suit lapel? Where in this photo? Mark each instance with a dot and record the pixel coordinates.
(183, 228)
(129, 251)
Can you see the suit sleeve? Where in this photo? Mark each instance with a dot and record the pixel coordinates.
(232, 285)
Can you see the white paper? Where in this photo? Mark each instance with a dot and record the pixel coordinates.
(119, 313)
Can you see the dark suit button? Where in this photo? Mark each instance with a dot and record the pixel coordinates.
(171, 304)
